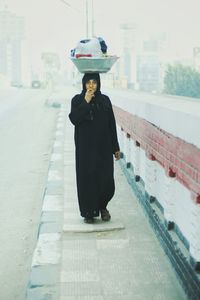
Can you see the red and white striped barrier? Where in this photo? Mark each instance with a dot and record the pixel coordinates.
(160, 141)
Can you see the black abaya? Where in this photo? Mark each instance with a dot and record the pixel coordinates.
(95, 142)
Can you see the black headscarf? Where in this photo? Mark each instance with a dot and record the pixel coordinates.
(91, 76)
(98, 99)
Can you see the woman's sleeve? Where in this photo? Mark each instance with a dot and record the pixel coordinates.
(115, 143)
(80, 111)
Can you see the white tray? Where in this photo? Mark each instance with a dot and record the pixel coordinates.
(94, 64)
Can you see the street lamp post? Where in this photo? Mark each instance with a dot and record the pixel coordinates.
(92, 5)
(89, 8)
(89, 15)
(87, 20)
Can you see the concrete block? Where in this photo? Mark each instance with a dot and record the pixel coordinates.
(50, 228)
(54, 175)
(54, 188)
(47, 250)
(52, 203)
(51, 217)
(44, 275)
(43, 293)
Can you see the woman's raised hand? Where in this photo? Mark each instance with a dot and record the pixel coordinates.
(89, 95)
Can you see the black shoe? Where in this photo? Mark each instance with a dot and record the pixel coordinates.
(89, 220)
(105, 215)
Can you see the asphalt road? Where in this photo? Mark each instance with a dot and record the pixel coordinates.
(27, 127)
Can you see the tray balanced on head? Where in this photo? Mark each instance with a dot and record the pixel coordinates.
(90, 55)
(94, 64)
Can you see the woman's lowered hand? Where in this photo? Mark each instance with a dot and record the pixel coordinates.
(117, 155)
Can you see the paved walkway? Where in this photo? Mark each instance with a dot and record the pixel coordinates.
(118, 260)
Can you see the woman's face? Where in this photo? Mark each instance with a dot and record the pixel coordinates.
(91, 85)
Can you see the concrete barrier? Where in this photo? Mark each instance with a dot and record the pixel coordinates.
(160, 146)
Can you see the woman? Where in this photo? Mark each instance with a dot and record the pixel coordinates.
(96, 142)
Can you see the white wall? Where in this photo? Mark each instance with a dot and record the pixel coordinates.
(175, 198)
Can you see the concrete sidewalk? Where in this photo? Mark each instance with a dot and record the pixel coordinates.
(117, 260)
(121, 259)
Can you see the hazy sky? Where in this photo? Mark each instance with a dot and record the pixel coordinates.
(52, 25)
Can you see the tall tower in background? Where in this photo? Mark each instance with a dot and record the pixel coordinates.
(11, 35)
(128, 59)
(150, 63)
(196, 58)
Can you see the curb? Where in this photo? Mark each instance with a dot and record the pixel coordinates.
(45, 268)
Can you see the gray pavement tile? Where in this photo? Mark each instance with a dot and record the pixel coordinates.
(58, 144)
(83, 298)
(117, 271)
(70, 199)
(127, 263)
(71, 204)
(158, 292)
(115, 287)
(56, 155)
(124, 297)
(112, 244)
(135, 296)
(69, 217)
(58, 147)
(59, 132)
(56, 165)
(74, 223)
(77, 259)
(59, 137)
(54, 188)
(52, 203)
(79, 265)
(69, 151)
(69, 163)
(70, 181)
(51, 217)
(69, 167)
(143, 238)
(60, 124)
(50, 228)
(55, 175)
(70, 196)
(89, 289)
(70, 212)
(43, 293)
(47, 250)
(114, 235)
(80, 246)
(69, 160)
(80, 276)
(71, 236)
(71, 189)
(44, 275)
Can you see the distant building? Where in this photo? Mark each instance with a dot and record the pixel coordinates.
(51, 66)
(149, 65)
(148, 72)
(196, 58)
(127, 64)
(11, 35)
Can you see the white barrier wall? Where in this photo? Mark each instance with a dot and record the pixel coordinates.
(167, 161)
